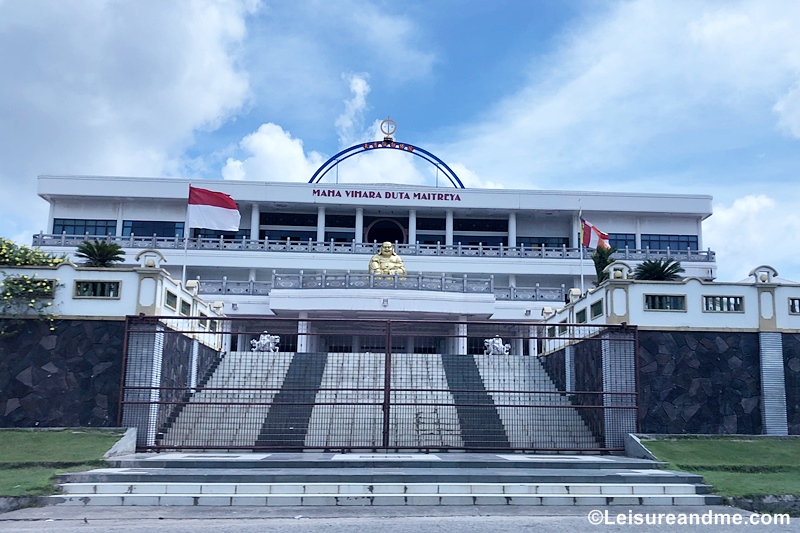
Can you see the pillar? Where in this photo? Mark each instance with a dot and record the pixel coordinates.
(255, 222)
(517, 345)
(321, 223)
(251, 274)
(461, 340)
(412, 226)
(512, 229)
(302, 332)
(119, 220)
(532, 340)
(359, 233)
(356, 343)
(448, 228)
(409, 345)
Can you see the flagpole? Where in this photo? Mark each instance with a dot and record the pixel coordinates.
(186, 232)
(580, 239)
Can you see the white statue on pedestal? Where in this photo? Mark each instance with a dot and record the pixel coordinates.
(266, 343)
(495, 346)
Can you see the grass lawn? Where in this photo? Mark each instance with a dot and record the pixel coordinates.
(29, 459)
(735, 466)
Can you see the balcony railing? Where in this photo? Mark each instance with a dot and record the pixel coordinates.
(419, 282)
(310, 246)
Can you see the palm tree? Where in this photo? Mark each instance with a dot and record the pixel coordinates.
(100, 253)
(602, 258)
(660, 270)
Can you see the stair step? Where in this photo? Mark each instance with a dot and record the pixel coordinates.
(377, 500)
(575, 489)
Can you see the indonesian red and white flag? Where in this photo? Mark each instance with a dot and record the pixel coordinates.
(591, 237)
(211, 210)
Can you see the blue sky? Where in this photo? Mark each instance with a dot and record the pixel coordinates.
(669, 96)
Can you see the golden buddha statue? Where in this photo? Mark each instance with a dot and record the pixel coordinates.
(387, 262)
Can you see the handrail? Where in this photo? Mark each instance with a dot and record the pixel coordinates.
(418, 282)
(332, 247)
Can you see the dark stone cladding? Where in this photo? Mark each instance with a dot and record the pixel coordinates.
(555, 366)
(699, 382)
(67, 377)
(588, 372)
(588, 357)
(176, 372)
(791, 369)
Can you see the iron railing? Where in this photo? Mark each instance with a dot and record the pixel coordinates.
(332, 247)
(378, 384)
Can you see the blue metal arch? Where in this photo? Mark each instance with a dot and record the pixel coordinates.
(391, 145)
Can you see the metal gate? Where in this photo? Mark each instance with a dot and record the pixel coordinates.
(292, 384)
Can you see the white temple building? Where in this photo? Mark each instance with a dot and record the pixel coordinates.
(303, 249)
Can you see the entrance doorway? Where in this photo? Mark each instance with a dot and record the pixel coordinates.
(385, 229)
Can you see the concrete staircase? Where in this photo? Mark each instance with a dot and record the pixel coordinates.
(303, 479)
(335, 400)
(557, 426)
(227, 418)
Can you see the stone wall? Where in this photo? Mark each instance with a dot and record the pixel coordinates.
(588, 357)
(66, 377)
(554, 365)
(791, 368)
(699, 382)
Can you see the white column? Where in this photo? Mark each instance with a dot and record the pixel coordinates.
(302, 333)
(448, 228)
(517, 346)
(255, 222)
(412, 226)
(119, 220)
(461, 340)
(512, 280)
(251, 274)
(321, 223)
(532, 340)
(410, 345)
(356, 343)
(576, 232)
(359, 234)
(512, 229)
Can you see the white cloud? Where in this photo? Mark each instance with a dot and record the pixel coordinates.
(751, 231)
(648, 79)
(273, 155)
(111, 88)
(353, 116)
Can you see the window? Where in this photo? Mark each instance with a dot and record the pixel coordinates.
(723, 304)
(431, 224)
(212, 325)
(288, 219)
(673, 242)
(284, 234)
(186, 308)
(340, 221)
(216, 234)
(622, 240)
(171, 300)
(97, 289)
(562, 327)
(475, 240)
(794, 306)
(339, 236)
(597, 309)
(77, 226)
(580, 316)
(664, 302)
(538, 242)
(428, 238)
(148, 228)
(480, 224)
(551, 331)
(203, 322)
